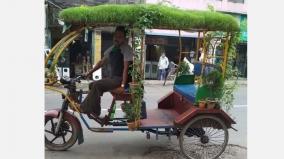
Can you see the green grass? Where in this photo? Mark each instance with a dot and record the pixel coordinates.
(170, 18)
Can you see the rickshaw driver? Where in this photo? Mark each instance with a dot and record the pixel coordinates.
(118, 56)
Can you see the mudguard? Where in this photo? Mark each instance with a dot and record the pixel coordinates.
(55, 113)
(192, 112)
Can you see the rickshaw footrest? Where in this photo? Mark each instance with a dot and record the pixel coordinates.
(102, 130)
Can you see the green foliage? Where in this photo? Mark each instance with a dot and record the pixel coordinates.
(228, 95)
(136, 72)
(229, 81)
(214, 82)
(231, 73)
(157, 16)
(211, 88)
(129, 111)
(147, 18)
(211, 8)
(183, 69)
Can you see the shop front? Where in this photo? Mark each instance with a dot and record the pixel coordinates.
(165, 41)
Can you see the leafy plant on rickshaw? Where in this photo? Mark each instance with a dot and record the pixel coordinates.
(183, 69)
(128, 110)
(216, 42)
(145, 20)
(136, 87)
(230, 74)
(214, 82)
(211, 90)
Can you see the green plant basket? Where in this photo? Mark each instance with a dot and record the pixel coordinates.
(184, 79)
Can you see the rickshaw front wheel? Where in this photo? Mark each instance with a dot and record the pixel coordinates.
(203, 137)
(66, 136)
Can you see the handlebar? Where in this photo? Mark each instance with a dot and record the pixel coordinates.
(78, 79)
(70, 81)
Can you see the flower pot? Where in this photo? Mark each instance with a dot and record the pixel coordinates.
(202, 104)
(137, 123)
(211, 104)
(131, 125)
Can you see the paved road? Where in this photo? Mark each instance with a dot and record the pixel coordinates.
(135, 145)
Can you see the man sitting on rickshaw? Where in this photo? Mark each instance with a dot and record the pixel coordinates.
(119, 56)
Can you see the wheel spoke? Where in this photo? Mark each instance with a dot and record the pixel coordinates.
(69, 131)
(63, 137)
(210, 130)
(216, 133)
(219, 136)
(49, 132)
(52, 125)
(216, 140)
(210, 127)
(53, 139)
(191, 143)
(206, 154)
(213, 131)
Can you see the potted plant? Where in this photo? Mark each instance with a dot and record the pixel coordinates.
(136, 86)
(202, 104)
(129, 113)
(211, 104)
(211, 89)
(145, 20)
(183, 69)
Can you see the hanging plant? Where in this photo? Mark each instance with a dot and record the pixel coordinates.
(229, 81)
(145, 20)
(183, 69)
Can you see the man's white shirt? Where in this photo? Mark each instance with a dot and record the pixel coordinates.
(163, 63)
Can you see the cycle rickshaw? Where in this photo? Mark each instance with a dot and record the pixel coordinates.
(202, 132)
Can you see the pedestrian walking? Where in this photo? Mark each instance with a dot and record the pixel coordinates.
(163, 65)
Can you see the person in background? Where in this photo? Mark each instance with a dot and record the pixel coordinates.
(163, 65)
(191, 66)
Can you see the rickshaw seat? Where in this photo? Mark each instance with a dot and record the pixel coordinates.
(188, 91)
(184, 85)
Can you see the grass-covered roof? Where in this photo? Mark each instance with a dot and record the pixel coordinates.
(168, 17)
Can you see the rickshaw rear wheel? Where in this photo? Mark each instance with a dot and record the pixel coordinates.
(66, 136)
(204, 137)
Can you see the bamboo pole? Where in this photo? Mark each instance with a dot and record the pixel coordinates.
(205, 54)
(225, 55)
(61, 48)
(198, 46)
(57, 52)
(133, 50)
(142, 56)
(56, 47)
(180, 46)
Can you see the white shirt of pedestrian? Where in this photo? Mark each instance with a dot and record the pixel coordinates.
(163, 62)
